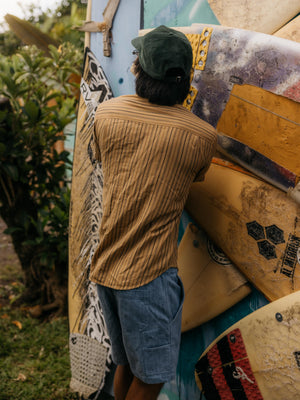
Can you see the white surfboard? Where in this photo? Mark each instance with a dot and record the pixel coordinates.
(265, 16)
(256, 358)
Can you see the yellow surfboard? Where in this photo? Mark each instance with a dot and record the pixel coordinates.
(290, 31)
(212, 284)
(255, 224)
(256, 358)
(268, 123)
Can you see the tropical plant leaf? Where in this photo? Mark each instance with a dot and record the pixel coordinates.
(32, 110)
(29, 34)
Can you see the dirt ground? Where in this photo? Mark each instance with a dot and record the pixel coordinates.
(9, 261)
(10, 268)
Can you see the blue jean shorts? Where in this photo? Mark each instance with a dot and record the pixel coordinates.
(144, 325)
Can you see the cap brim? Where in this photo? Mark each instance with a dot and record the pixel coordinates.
(137, 42)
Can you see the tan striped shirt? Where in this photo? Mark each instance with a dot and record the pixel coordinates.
(150, 156)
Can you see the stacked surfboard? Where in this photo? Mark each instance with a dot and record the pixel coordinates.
(247, 84)
(244, 247)
(266, 16)
(256, 358)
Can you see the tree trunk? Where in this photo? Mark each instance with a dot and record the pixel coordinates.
(45, 289)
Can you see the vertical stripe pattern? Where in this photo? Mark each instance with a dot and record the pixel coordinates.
(150, 156)
(225, 371)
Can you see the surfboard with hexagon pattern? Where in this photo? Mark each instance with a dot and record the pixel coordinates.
(255, 224)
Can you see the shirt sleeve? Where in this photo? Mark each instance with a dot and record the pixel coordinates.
(208, 150)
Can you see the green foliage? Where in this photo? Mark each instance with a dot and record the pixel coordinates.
(34, 190)
(9, 43)
(69, 14)
(57, 23)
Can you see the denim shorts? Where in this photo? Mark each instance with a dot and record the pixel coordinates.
(144, 325)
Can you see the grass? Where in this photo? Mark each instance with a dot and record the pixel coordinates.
(11, 270)
(34, 357)
(34, 354)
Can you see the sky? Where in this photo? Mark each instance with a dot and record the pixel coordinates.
(17, 7)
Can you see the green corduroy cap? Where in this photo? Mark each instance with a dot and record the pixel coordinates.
(162, 49)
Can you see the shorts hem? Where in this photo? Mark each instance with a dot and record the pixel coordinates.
(155, 379)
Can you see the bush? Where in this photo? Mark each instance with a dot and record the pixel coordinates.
(37, 102)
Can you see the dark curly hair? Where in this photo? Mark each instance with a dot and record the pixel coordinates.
(167, 93)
